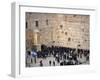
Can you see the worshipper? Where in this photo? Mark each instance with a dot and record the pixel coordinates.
(50, 62)
(28, 59)
(58, 59)
(64, 56)
(34, 55)
(41, 64)
(53, 63)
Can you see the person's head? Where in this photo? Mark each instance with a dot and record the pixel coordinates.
(41, 61)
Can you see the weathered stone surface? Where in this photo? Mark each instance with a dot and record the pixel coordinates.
(66, 30)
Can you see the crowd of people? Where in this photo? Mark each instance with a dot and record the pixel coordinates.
(62, 56)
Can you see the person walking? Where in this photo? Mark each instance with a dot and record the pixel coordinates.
(50, 63)
(41, 64)
(53, 63)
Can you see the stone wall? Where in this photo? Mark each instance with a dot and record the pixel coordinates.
(66, 30)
